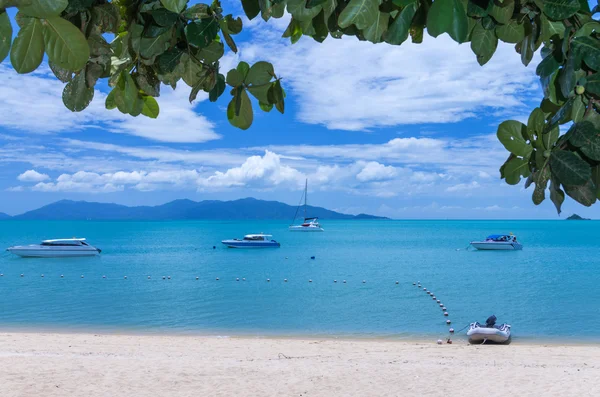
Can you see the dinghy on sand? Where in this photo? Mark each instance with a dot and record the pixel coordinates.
(489, 332)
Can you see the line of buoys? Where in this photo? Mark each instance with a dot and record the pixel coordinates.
(335, 281)
(125, 277)
(236, 279)
(102, 276)
(448, 322)
(451, 330)
(217, 279)
(364, 281)
(344, 281)
(148, 277)
(285, 280)
(199, 278)
(268, 280)
(243, 279)
(310, 281)
(42, 276)
(397, 282)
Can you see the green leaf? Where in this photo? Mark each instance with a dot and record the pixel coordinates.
(197, 11)
(174, 5)
(512, 32)
(192, 70)
(5, 35)
(27, 50)
(126, 94)
(511, 134)
(448, 16)
(569, 168)
(218, 89)
(265, 107)
(483, 43)
(587, 138)
(234, 78)
(93, 71)
(260, 73)
(587, 49)
(229, 41)
(213, 52)
(535, 123)
(375, 32)
(596, 179)
(314, 3)
(154, 46)
(164, 17)
(244, 69)
(147, 80)
(276, 96)
(551, 29)
(169, 60)
(261, 92)
(592, 84)
(587, 29)
(547, 67)
(110, 103)
(479, 8)
(45, 8)
(398, 30)
(320, 26)
(404, 3)
(251, 8)
(556, 194)
(560, 9)
(107, 17)
(541, 179)
(578, 109)
(239, 110)
(585, 194)
(150, 107)
(234, 26)
(202, 32)
(361, 13)
(63, 75)
(513, 169)
(502, 14)
(549, 138)
(65, 45)
(77, 95)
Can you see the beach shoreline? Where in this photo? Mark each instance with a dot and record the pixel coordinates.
(78, 364)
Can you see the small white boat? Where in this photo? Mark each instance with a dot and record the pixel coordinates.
(489, 333)
(60, 248)
(506, 242)
(309, 224)
(253, 241)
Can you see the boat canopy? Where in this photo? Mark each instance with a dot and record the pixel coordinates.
(499, 236)
(257, 237)
(65, 241)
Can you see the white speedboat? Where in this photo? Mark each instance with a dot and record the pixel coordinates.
(489, 333)
(498, 242)
(252, 241)
(309, 224)
(60, 248)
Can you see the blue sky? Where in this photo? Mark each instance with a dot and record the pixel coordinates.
(404, 132)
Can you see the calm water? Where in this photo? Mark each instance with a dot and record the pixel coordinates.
(548, 290)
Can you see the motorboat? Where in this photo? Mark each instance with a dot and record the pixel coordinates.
(310, 224)
(489, 332)
(498, 242)
(253, 241)
(59, 248)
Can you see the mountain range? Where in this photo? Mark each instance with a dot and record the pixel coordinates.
(242, 209)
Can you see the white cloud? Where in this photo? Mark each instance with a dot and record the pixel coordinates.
(178, 120)
(15, 189)
(437, 81)
(257, 171)
(374, 171)
(32, 176)
(461, 187)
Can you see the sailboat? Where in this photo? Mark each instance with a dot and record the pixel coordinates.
(309, 224)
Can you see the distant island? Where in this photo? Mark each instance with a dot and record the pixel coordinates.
(243, 209)
(576, 217)
(4, 216)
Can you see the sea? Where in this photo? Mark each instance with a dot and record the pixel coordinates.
(355, 280)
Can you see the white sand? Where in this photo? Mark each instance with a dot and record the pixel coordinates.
(45, 365)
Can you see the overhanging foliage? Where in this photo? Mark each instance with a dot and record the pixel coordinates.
(165, 41)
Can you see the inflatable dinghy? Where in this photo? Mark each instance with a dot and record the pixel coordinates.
(489, 332)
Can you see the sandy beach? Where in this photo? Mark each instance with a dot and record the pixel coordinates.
(44, 364)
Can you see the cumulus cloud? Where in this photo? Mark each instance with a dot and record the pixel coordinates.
(438, 81)
(178, 121)
(374, 171)
(256, 171)
(32, 176)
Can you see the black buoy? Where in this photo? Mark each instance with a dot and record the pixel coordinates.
(312, 257)
(214, 247)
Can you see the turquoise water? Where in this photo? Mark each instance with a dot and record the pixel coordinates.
(549, 290)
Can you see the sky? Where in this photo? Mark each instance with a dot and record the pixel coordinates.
(406, 132)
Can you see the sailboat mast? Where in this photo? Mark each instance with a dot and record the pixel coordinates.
(305, 196)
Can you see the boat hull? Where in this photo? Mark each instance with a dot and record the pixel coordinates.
(250, 244)
(499, 335)
(64, 252)
(306, 229)
(496, 246)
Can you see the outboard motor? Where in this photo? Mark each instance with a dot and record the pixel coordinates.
(491, 321)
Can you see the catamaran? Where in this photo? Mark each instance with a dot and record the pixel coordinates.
(309, 224)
